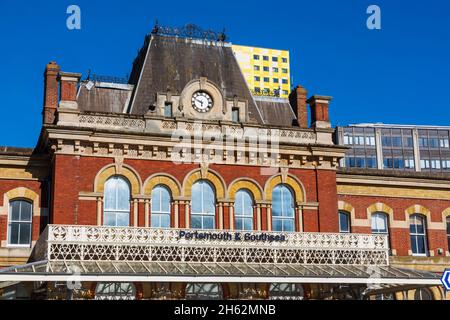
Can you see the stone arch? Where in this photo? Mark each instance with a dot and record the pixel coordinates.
(125, 171)
(245, 183)
(214, 178)
(291, 181)
(445, 214)
(434, 291)
(21, 193)
(162, 179)
(437, 293)
(419, 209)
(384, 208)
(347, 207)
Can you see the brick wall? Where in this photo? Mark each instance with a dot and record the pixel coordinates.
(399, 237)
(73, 174)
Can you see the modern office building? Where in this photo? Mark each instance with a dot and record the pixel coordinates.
(266, 71)
(180, 184)
(396, 147)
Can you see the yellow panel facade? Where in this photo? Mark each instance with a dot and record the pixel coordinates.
(265, 70)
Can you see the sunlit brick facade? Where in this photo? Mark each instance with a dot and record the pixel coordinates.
(99, 131)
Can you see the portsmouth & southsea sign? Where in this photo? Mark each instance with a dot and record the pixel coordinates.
(231, 236)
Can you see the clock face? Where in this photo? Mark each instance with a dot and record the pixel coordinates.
(201, 101)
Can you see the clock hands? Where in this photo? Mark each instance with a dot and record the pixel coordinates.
(201, 101)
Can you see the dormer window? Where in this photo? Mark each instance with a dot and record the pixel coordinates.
(235, 115)
(168, 109)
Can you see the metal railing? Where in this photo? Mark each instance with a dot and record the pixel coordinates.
(97, 243)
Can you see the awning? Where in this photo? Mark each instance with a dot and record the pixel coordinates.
(127, 271)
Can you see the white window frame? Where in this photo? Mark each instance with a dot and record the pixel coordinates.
(416, 234)
(10, 221)
(160, 213)
(443, 143)
(204, 214)
(243, 217)
(282, 217)
(385, 217)
(116, 211)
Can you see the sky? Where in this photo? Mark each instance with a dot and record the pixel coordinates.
(398, 74)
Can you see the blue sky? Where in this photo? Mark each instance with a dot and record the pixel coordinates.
(399, 74)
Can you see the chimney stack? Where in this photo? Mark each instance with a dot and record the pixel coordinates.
(319, 111)
(297, 98)
(50, 92)
(68, 86)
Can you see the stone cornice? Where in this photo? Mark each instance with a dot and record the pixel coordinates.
(156, 147)
(155, 125)
(158, 138)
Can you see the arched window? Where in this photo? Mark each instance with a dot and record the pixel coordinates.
(160, 207)
(423, 294)
(117, 202)
(19, 222)
(204, 291)
(243, 210)
(282, 209)
(344, 222)
(448, 232)
(286, 291)
(203, 214)
(115, 291)
(380, 223)
(417, 231)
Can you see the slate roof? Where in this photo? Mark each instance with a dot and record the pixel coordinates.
(104, 97)
(276, 111)
(169, 63)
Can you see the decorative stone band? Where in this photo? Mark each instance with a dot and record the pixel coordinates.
(162, 126)
(105, 121)
(90, 243)
(297, 136)
(183, 140)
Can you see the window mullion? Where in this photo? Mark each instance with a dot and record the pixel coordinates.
(160, 199)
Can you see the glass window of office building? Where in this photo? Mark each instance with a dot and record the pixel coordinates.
(434, 150)
(398, 148)
(363, 148)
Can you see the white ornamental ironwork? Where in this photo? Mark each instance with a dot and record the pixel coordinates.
(97, 243)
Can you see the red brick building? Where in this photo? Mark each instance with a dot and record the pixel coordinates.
(122, 169)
